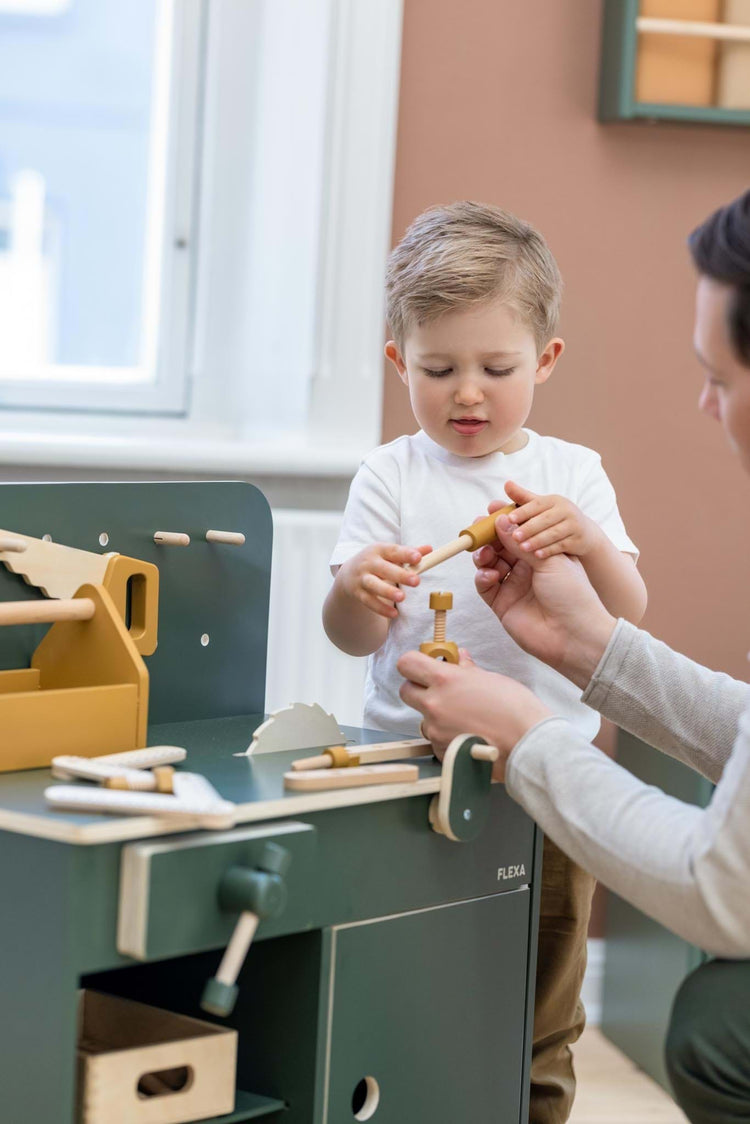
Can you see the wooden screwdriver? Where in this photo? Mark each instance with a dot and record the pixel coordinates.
(471, 538)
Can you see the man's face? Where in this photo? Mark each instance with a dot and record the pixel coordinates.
(471, 376)
(726, 392)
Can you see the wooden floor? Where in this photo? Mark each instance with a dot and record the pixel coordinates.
(612, 1091)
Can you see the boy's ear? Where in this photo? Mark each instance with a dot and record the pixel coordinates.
(545, 364)
(392, 352)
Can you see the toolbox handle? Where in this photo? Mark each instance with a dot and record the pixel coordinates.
(47, 612)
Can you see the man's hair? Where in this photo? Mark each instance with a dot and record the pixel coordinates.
(720, 247)
(467, 253)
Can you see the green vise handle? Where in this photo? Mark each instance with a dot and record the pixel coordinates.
(259, 893)
(461, 807)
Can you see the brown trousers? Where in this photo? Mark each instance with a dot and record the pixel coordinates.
(559, 1017)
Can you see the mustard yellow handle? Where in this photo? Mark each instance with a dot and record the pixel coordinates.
(483, 531)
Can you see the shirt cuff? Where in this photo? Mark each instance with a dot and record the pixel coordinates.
(608, 669)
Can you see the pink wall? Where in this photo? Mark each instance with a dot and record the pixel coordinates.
(498, 103)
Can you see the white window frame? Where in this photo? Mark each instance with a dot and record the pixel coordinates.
(346, 235)
(159, 383)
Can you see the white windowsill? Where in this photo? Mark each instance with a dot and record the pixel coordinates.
(180, 454)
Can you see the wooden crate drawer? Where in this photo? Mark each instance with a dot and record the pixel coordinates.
(169, 888)
(140, 1065)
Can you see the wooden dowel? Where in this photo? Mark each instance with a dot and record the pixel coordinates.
(46, 612)
(233, 538)
(171, 538)
(485, 753)
(12, 546)
(435, 557)
(693, 28)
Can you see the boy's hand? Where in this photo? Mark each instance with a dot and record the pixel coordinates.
(550, 525)
(374, 575)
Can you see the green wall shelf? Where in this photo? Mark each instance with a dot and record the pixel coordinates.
(617, 100)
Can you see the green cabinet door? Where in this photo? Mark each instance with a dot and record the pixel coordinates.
(426, 1015)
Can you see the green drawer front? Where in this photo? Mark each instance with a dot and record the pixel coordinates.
(347, 864)
(169, 888)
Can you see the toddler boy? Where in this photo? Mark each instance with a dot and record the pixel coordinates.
(473, 295)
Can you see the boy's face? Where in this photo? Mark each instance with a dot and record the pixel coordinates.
(726, 391)
(471, 376)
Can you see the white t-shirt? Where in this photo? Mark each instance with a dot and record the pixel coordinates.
(414, 492)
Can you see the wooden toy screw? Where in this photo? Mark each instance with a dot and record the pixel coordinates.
(440, 648)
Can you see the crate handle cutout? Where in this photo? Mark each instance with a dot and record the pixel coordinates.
(163, 1082)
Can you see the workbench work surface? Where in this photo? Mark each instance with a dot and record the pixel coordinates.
(255, 784)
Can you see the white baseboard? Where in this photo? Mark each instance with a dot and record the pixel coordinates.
(591, 992)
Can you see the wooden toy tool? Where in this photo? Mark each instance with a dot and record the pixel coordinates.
(440, 648)
(194, 799)
(310, 780)
(133, 764)
(299, 726)
(471, 538)
(86, 687)
(341, 757)
(462, 806)
(258, 894)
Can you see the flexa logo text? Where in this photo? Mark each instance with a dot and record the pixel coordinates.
(506, 872)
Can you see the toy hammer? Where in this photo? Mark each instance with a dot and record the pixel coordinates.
(471, 538)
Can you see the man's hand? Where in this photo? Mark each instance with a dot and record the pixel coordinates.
(464, 699)
(548, 606)
(373, 576)
(548, 525)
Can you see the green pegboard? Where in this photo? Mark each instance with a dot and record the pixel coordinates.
(207, 590)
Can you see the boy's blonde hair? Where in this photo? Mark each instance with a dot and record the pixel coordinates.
(467, 253)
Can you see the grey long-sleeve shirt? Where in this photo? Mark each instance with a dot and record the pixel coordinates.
(687, 867)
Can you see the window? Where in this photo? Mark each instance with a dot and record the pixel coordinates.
(94, 97)
(197, 198)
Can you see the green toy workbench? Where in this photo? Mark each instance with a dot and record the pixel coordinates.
(396, 984)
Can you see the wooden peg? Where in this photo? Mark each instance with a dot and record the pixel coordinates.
(485, 753)
(314, 779)
(171, 538)
(12, 546)
(46, 612)
(471, 538)
(368, 754)
(233, 538)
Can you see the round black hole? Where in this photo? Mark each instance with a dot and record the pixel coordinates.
(359, 1096)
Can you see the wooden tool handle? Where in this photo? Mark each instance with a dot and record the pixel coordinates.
(435, 557)
(46, 612)
(313, 779)
(483, 531)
